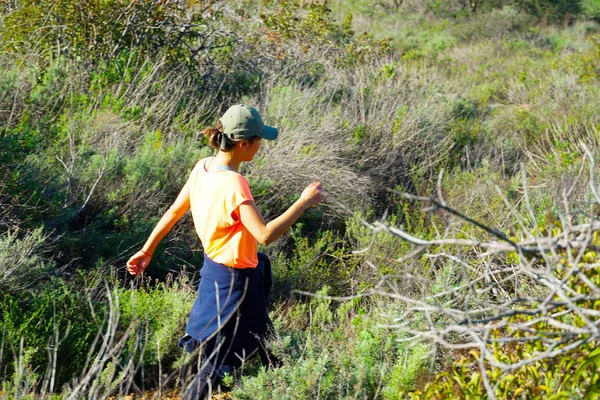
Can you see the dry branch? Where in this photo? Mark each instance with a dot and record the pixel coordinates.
(487, 307)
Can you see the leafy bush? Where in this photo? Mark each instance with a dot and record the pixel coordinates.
(21, 263)
(591, 9)
(573, 373)
(496, 23)
(553, 10)
(59, 318)
(374, 362)
(312, 30)
(160, 314)
(74, 324)
(100, 30)
(584, 64)
(557, 10)
(313, 262)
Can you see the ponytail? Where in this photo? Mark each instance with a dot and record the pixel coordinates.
(216, 136)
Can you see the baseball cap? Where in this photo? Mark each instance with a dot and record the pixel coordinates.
(243, 122)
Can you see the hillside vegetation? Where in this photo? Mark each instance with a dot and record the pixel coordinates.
(470, 128)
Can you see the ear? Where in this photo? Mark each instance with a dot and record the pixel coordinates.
(244, 143)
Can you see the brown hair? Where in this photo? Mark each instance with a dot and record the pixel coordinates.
(215, 136)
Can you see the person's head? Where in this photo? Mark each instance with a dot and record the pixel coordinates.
(240, 127)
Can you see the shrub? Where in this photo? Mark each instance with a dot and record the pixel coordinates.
(312, 30)
(68, 336)
(57, 317)
(591, 9)
(314, 261)
(101, 30)
(563, 377)
(584, 63)
(374, 362)
(496, 24)
(554, 10)
(160, 314)
(21, 263)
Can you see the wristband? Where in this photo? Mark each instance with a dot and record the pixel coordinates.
(149, 255)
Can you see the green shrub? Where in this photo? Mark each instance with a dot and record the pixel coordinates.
(66, 319)
(554, 10)
(102, 29)
(584, 63)
(496, 23)
(556, 378)
(591, 9)
(424, 42)
(314, 262)
(21, 263)
(58, 316)
(410, 365)
(310, 335)
(161, 314)
(292, 26)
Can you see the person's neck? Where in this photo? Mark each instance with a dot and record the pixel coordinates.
(227, 159)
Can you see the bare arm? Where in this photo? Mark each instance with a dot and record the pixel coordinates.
(267, 233)
(139, 261)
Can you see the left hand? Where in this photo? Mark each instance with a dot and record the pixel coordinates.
(138, 263)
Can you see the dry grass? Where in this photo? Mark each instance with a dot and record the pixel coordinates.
(358, 133)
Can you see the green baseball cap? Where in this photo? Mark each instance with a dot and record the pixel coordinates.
(243, 122)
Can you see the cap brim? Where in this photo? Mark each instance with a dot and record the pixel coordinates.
(269, 133)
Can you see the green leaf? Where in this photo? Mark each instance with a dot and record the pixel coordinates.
(560, 396)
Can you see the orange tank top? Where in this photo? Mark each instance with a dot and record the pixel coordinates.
(214, 198)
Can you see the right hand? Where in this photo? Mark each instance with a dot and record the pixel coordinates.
(138, 263)
(313, 194)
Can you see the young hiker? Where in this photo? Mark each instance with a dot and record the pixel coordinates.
(229, 319)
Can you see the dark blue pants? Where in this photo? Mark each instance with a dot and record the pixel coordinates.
(228, 320)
